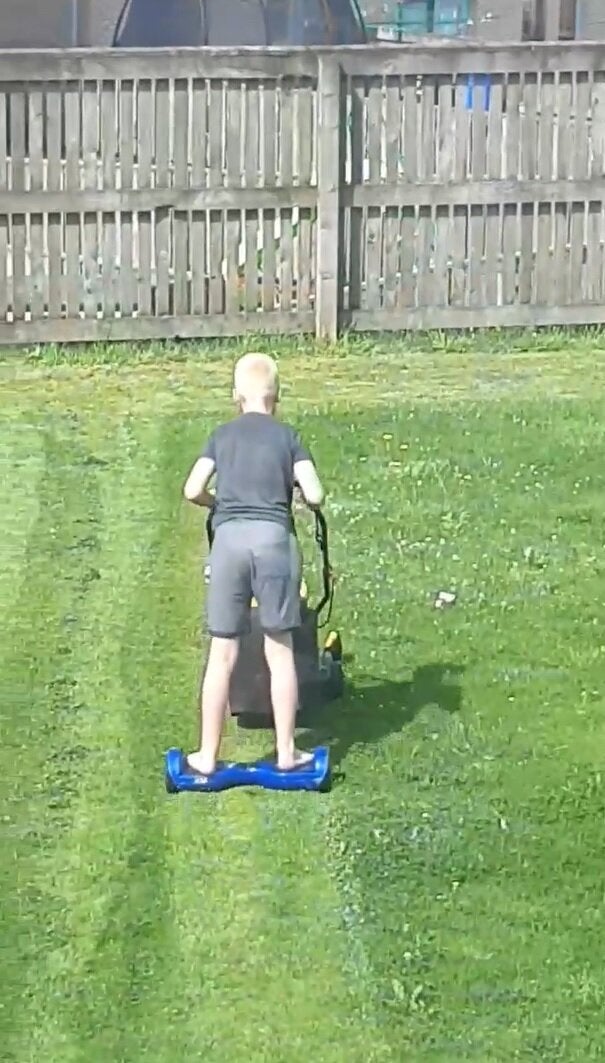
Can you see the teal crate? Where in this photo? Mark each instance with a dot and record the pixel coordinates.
(413, 18)
(400, 19)
(451, 17)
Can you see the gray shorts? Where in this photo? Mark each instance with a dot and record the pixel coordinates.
(253, 559)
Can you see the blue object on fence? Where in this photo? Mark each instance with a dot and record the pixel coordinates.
(313, 776)
(478, 81)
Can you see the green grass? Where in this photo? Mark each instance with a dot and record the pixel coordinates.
(445, 901)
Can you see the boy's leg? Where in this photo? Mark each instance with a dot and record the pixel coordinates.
(276, 585)
(214, 698)
(284, 698)
(228, 607)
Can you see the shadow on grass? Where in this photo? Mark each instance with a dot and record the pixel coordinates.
(373, 710)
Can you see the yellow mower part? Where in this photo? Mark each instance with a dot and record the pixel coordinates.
(333, 643)
(304, 590)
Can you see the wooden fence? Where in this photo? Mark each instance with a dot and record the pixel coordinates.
(200, 192)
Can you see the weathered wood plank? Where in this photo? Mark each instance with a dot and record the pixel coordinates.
(510, 211)
(145, 281)
(126, 141)
(528, 167)
(17, 129)
(493, 213)
(425, 217)
(577, 244)
(478, 168)
(181, 219)
(286, 170)
(100, 330)
(544, 287)
(392, 215)
(519, 316)
(165, 63)
(330, 170)
(402, 194)
(269, 181)
(356, 220)
(422, 318)
(580, 166)
(446, 162)
(92, 284)
(411, 172)
(197, 235)
(465, 56)
(459, 254)
(374, 215)
(233, 219)
(252, 107)
(431, 57)
(594, 228)
(563, 151)
(216, 154)
(109, 215)
(306, 138)
(162, 216)
(54, 171)
(38, 270)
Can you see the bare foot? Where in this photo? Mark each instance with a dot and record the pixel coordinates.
(199, 764)
(294, 760)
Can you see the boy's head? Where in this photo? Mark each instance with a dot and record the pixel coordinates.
(256, 383)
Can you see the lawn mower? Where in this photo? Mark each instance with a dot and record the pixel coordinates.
(320, 680)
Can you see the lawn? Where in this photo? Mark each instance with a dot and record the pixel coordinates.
(445, 902)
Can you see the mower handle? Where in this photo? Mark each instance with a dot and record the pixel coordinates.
(321, 538)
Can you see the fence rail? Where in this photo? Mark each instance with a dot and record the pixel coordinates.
(206, 192)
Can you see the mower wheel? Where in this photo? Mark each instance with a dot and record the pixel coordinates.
(334, 683)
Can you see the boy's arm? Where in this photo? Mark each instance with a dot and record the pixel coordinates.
(196, 485)
(309, 483)
(305, 473)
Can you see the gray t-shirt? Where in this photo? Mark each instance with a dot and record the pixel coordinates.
(254, 457)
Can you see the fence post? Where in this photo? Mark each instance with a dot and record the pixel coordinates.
(331, 134)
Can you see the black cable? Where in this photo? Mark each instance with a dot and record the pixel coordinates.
(120, 24)
(360, 20)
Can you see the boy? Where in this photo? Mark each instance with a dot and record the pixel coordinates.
(257, 461)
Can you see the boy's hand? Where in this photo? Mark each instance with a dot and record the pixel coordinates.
(298, 502)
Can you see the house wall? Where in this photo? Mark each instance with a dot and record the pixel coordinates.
(495, 20)
(37, 23)
(591, 20)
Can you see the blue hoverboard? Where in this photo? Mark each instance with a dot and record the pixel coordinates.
(181, 778)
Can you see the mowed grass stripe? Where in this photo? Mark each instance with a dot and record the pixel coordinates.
(473, 803)
(21, 466)
(258, 919)
(41, 706)
(88, 967)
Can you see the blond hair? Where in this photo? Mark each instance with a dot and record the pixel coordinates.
(256, 379)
